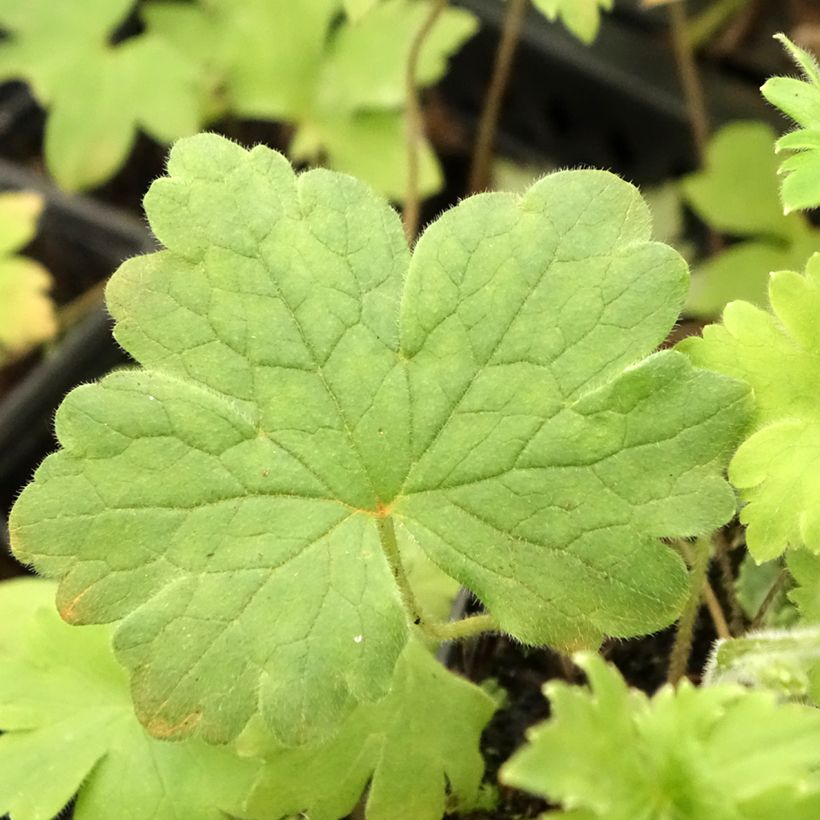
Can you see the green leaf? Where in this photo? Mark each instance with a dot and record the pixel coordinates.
(753, 585)
(365, 64)
(356, 9)
(737, 193)
(775, 467)
(305, 383)
(69, 727)
(26, 311)
(417, 749)
(19, 214)
(799, 100)
(742, 271)
(97, 96)
(805, 569)
(785, 662)
(699, 754)
(341, 83)
(581, 17)
(370, 146)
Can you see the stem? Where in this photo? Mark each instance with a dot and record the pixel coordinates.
(771, 597)
(465, 628)
(716, 612)
(686, 625)
(727, 582)
(510, 35)
(415, 122)
(77, 309)
(704, 26)
(387, 536)
(449, 631)
(690, 79)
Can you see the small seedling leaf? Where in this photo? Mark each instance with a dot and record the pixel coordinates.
(610, 752)
(775, 467)
(800, 101)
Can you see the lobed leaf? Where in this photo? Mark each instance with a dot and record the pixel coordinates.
(699, 754)
(69, 728)
(581, 17)
(800, 101)
(418, 749)
(774, 467)
(737, 194)
(98, 96)
(805, 569)
(341, 83)
(306, 387)
(26, 311)
(786, 662)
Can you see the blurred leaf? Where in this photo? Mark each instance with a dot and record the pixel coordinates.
(784, 662)
(737, 193)
(581, 17)
(695, 754)
(364, 68)
(805, 569)
(340, 83)
(19, 213)
(69, 727)
(356, 9)
(753, 584)
(369, 146)
(98, 96)
(26, 312)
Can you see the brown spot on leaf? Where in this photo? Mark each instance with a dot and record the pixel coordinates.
(162, 729)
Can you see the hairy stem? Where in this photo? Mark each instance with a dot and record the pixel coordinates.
(716, 611)
(415, 122)
(449, 631)
(689, 79)
(387, 537)
(465, 628)
(510, 35)
(686, 625)
(727, 582)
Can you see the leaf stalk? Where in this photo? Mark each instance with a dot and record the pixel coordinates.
(448, 631)
(679, 659)
(415, 122)
(485, 138)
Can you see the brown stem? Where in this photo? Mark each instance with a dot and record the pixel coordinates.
(689, 79)
(686, 625)
(716, 612)
(485, 139)
(727, 584)
(78, 308)
(415, 122)
(771, 597)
